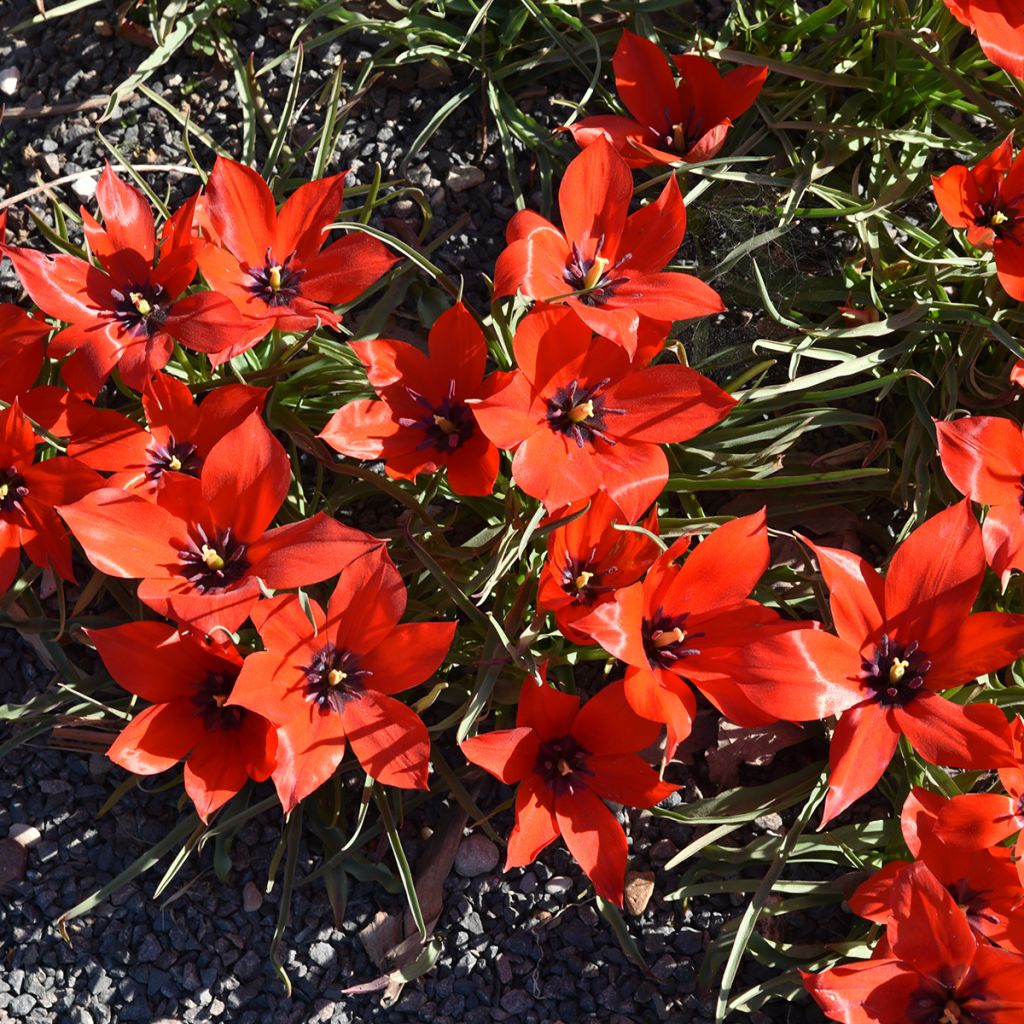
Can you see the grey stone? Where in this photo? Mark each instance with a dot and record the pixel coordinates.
(476, 855)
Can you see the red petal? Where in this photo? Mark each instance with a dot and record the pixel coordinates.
(124, 535)
(536, 825)
(546, 710)
(978, 821)
(856, 593)
(616, 625)
(606, 724)
(242, 210)
(623, 133)
(634, 475)
(983, 456)
(473, 468)
(596, 840)
(509, 754)
(272, 685)
(309, 750)
(741, 87)
(214, 772)
(928, 930)
(305, 214)
(625, 779)
(862, 747)
(150, 659)
(458, 350)
(552, 468)
(654, 233)
(957, 196)
(506, 417)
(665, 296)
(17, 438)
(593, 200)
(533, 265)
(359, 429)
(127, 218)
(208, 613)
(984, 642)
(211, 323)
(645, 82)
(1003, 536)
(245, 479)
(1010, 266)
(666, 404)
(662, 697)
(389, 739)
(345, 269)
(934, 577)
(867, 992)
(409, 655)
(368, 600)
(22, 343)
(308, 551)
(62, 286)
(157, 738)
(955, 735)
(873, 899)
(1000, 33)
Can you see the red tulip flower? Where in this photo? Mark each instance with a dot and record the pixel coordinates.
(937, 972)
(188, 682)
(999, 26)
(329, 681)
(977, 821)
(272, 263)
(422, 422)
(589, 560)
(988, 200)
(984, 884)
(22, 350)
(983, 456)
(203, 550)
(671, 120)
(605, 263)
(29, 492)
(581, 418)
(567, 760)
(129, 313)
(180, 435)
(901, 641)
(685, 623)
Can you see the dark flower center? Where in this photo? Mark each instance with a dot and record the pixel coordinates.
(446, 426)
(593, 278)
(213, 563)
(938, 1008)
(210, 700)
(580, 412)
(666, 640)
(333, 677)
(895, 673)
(581, 578)
(973, 902)
(277, 284)
(138, 308)
(12, 491)
(176, 456)
(682, 136)
(562, 764)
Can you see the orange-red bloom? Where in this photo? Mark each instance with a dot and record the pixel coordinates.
(567, 760)
(272, 263)
(29, 492)
(901, 641)
(188, 682)
(988, 200)
(589, 559)
(581, 418)
(203, 550)
(179, 437)
(984, 883)
(999, 26)
(672, 120)
(128, 314)
(983, 456)
(977, 821)
(606, 263)
(685, 622)
(329, 681)
(422, 422)
(936, 970)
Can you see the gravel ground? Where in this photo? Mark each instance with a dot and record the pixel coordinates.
(524, 947)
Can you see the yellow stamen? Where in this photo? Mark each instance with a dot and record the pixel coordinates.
(596, 272)
(444, 425)
(951, 1013)
(141, 303)
(678, 137)
(669, 637)
(220, 699)
(174, 463)
(583, 580)
(211, 558)
(275, 279)
(563, 767)
(581, 412)
(998, 218)
(898, 670)
(336, 677)
(5, 489)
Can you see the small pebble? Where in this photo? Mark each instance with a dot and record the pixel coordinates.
(252, 898)
(10, 79)
(84, 186)
(26, 835)
(476, 855)
(558, 886)
(462, 179)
